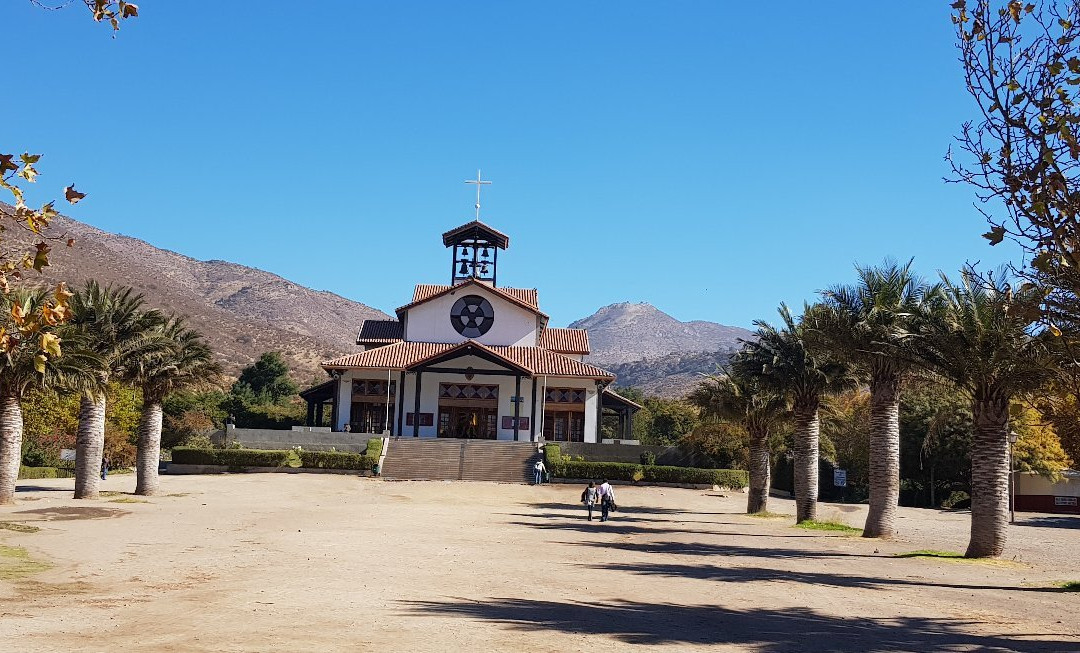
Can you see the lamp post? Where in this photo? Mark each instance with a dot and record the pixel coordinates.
(1013, 436)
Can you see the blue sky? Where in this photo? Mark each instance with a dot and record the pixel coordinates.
(710, 158)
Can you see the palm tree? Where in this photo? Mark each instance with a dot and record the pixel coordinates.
(186, 362)
(783, 363)
(732, 397)
(870, 326)
(982, 339)
(115, 328)
(23, 365)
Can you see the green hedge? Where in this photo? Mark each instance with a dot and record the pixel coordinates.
(562, 468)
(552, 456)
(44, 472)
(374, 449)
(241, 458)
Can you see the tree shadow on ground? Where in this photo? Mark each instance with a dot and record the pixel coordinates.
(41, 488)
(634, 510)
(585, 524)
(765, 631)
(597, 527)
(1051, 522)
(753, 574)
(699, 548)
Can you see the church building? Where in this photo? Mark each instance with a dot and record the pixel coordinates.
(470, 359)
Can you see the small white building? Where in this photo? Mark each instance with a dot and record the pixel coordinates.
(1035, 493)
(470, 359)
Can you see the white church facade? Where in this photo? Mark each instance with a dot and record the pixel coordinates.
(470, 359)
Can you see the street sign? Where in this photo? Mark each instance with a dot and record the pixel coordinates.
(67, 454)
(839, 477)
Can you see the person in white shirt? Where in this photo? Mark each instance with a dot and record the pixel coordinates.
(538, 472)
(607, 499)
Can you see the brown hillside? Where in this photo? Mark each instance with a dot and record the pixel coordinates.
(242, 311)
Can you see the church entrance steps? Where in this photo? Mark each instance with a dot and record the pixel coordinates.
(444, 459)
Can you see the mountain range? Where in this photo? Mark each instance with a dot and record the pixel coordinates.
(245, 311)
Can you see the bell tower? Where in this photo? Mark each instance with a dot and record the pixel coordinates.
(474, 252)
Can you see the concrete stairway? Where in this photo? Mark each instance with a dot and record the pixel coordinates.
(440, 459)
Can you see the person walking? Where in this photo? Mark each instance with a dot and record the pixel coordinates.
(588, 497)
(538, 472)
(607, 499)
(104, 467)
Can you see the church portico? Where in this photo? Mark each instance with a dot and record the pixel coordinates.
(468, 360)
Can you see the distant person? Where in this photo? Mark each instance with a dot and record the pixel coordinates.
(588, 497)
(607, 499)
(538, 472)
(104, 467)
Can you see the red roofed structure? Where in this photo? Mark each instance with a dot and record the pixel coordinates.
(469, 359)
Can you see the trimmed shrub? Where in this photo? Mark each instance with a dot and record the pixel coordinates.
(728, 478)
(374, 449)
(26, 472)
(337, 459)
(44, 472)
(243, 458)
(552, 456)
(36, 472)
(648, 458)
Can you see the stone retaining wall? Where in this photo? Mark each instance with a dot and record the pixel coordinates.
(283, 439)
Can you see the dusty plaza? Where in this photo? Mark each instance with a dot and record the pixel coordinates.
(305, 562)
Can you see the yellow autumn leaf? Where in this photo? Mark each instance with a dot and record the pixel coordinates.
(62, 294)
(39, 363)
(50, 344)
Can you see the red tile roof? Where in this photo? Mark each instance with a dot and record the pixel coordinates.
(379, 332)
(476, 229)
(406, 355)
(524, 297)
(565, 341)
(397, 356)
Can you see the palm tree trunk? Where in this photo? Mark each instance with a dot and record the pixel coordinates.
(149, 448)
(807, 436)
(89, 446)
(760, 471)
(989, 478)
(11, 432)
(884, 456)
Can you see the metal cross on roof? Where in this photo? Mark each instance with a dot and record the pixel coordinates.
(479, 182)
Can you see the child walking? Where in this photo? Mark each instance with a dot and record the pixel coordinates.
(588, 497)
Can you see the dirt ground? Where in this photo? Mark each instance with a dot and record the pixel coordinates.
(276, 562)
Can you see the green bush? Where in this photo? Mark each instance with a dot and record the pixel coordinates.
(337, 459)
(242, 458)
(728, 478)
(648, 458)
(26, 472)
(36, 472)
(957, 499)
(552, 456)
(374, 449)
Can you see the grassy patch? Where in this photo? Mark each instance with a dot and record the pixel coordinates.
(765, 514)
(15, 562)
(1070, 586)
(959, 557)
(929, 553)
(18, 528)
(127, 500)
(826, 525)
